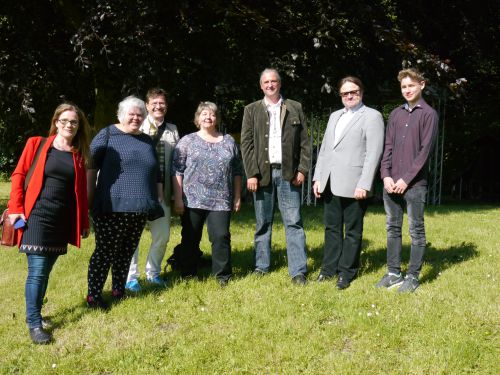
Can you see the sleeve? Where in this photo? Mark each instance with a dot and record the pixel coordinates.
(305, 146)
(428, 137)
(236, 162)
(374, 146)
(386, 163)
(247, 145)
(16, 201)
(179, 158)
(98, 148)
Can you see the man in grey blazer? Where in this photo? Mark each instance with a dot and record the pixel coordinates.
(345, 170)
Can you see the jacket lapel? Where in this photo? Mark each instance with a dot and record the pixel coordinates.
(354, 120)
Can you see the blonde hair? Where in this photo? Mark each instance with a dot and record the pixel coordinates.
(412, 73)
(203, 106)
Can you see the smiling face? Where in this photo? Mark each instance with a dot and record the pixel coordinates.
(207, 119)
(270, 86)
(157, 108)
(412, 90)
(67, 124)
(351, 95)
(133, 120)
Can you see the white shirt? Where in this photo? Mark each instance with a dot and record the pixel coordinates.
(274, 111)
(346, 117)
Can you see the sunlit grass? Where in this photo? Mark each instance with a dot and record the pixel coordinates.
(267, 325)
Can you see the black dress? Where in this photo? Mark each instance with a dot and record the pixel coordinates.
(52, 220)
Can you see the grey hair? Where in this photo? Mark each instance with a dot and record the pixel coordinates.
(270, 70)
(211, 107)
(130, 102)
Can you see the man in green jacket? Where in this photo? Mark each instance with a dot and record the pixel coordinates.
(276, 155)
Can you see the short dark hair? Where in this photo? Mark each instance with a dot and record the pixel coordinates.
(155, 92)
(352, 79)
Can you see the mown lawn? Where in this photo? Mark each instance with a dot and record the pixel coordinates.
(268, 326)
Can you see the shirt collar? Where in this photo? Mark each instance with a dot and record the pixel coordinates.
(268, 104)
(152, 122)
(418, 105)
(353, 110)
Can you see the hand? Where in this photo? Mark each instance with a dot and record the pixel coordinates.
(85, 232)
(359, 193)
(389, 184)
(298, 179)
(400, 186)
(237, 204)
(252, 184)
(179, 207)
(316, 189)
(14, 217)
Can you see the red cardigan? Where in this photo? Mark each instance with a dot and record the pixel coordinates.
(23, 202)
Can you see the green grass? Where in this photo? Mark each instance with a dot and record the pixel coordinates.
(268, 326)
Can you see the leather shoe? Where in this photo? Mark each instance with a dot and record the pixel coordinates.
(299, 279)
(343, 283)
(322, 278)
(40, 336)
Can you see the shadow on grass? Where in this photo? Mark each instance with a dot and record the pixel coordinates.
(437, 259)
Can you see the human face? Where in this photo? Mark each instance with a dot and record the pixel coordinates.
(67, 124)
(207, 119)
(351, 95)
(157, 107)
(133, 120)
(412, 90)
(270, 85)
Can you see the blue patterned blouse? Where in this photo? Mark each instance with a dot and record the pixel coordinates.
(208, 171)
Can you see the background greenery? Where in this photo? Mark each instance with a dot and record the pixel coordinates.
(95, 52)
(267, 325)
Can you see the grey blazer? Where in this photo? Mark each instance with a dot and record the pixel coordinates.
(353, 161)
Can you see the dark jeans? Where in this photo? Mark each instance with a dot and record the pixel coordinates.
(218, 222)
(117, 235)
(343, 219)
(414, 202)
(39, 267)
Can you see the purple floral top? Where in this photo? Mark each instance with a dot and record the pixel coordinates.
(208, 171)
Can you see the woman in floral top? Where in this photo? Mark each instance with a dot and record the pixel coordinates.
(206, 169)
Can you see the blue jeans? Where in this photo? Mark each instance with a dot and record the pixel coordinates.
(39, 267)
(414, 201)
(289, 198)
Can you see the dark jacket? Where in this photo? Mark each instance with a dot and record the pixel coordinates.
(295, 144)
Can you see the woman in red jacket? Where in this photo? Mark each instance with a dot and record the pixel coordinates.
(53, 211)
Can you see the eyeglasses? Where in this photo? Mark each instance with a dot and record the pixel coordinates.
(347, 93)
(65, 122)
(158, 104)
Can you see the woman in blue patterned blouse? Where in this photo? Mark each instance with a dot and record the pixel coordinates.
(206, 168)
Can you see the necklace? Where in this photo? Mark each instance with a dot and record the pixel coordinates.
(61, 147)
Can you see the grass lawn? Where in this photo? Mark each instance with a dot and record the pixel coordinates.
(267, 325)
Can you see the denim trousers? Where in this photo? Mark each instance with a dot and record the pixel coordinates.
(218, 223)
(414, 201)
(39, 267)
(289, 200)
(343, 219)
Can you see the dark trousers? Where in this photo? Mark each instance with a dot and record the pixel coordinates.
(343, 219)
(218, 222)
(117, 235)
(413, 200)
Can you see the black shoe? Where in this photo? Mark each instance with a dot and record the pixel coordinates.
(40, 336)
(223, 282)
(299, 279)
(343, 283)
(96, 303)
(323, 277)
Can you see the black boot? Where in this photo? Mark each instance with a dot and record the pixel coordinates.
(40, 336)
